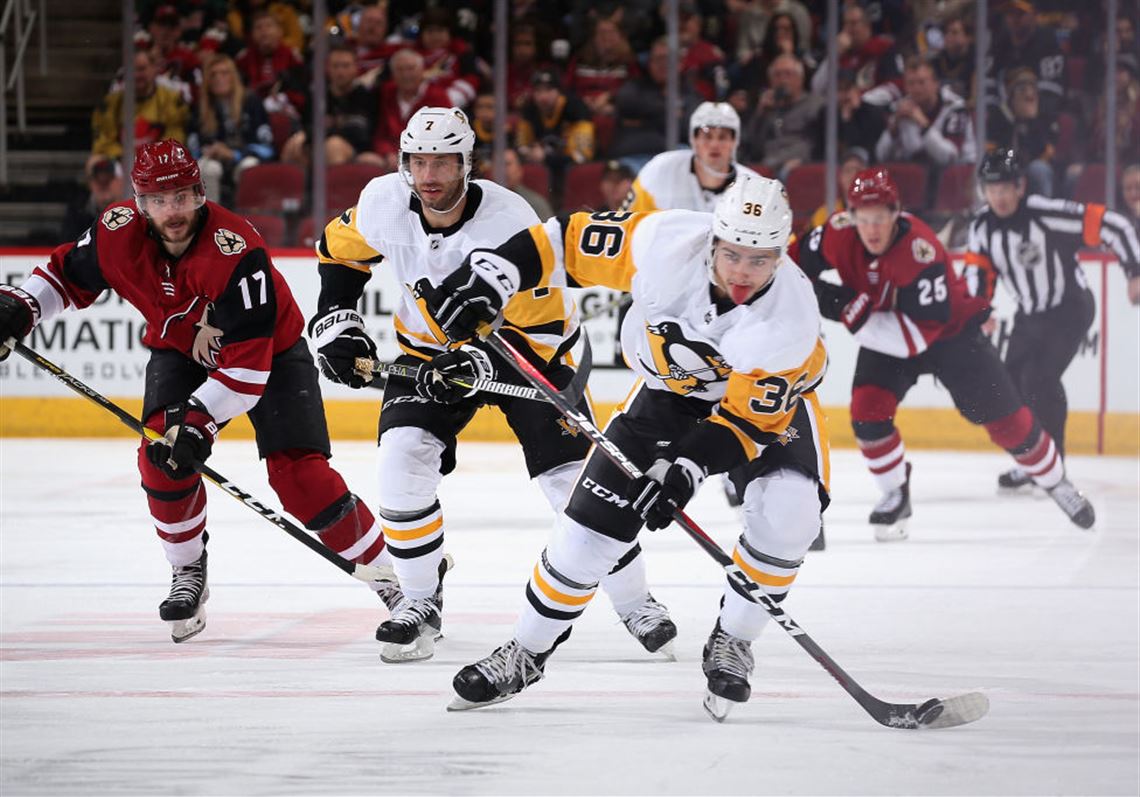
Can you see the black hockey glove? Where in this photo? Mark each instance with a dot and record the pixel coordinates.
(338, 333)
(664, 489)
(832, 298)
(190, 434)
(472, 297)
(433, 381)
(19, 313)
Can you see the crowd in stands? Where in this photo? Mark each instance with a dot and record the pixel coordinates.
(587, 89)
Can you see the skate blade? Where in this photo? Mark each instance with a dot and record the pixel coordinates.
(717, 707)
(420, 650)
(891, 533)
(462, 704)
(666, 651)
(181, 630)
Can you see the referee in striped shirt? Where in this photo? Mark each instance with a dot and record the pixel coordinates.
(1030, 243)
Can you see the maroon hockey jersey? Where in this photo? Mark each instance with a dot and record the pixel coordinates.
(222, 303)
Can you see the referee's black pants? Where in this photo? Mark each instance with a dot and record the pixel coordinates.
(1041, 347)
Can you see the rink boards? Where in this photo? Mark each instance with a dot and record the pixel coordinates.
(101, 347)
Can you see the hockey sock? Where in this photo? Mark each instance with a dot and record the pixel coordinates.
(177, 507)
(886, 459)
(554, 601)
(1031, 446)
(415, 540)
(313, 492)
(739, 616)
(627, 585)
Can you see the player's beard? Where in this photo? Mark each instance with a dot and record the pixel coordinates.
(180, 233)
(445, 202)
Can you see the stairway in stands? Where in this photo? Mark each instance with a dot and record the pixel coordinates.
(45, 163)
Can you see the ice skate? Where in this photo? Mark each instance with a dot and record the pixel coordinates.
(730, 494)
(1073, 503)
(1014, 480)
(498, 677)
(185, 606)
(650, 625)
(890, 515)
(422, 644)
(727, 664)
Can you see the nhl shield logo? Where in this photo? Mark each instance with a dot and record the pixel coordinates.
(115, 218)
(1029, 254)
(229, 243)
(922, 250)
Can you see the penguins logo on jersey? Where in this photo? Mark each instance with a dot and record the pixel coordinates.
(115, 218)
(685, 366)
(229, 243)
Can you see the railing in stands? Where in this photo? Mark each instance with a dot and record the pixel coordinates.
(21, 18)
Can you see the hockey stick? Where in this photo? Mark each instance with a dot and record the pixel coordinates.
(616, 303)
(934, 713)
(572, 393)
(367, 573)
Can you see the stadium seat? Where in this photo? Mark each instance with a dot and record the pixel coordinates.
(1090, 185)
(911, 180)
(761, 170)
(605, 125)
(536, 177)
(305, 236)
(283, 126)
(583, 187)
(1066, 138)
(955, 189)
(345, 181)
(272, 228)
(806, 188)
(271, 188)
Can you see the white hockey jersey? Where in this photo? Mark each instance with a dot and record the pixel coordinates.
(754, 360)
(669, 182)
(387, 226)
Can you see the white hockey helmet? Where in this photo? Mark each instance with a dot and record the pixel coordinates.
(754, 212)
(437, 131)
(715, 114)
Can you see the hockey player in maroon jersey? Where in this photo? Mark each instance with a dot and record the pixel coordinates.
(912, 314)
(224, 335)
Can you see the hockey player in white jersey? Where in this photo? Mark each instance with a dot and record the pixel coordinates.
(421, 222)
(693, 179)
(724, 332)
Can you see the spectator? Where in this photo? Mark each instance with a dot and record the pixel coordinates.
(371, 44)
(523, 64)
(350, 115)
(929, 123)
(554, 128)
(701, 62)
(160, 112)
(178, 65)
(448, 61)
(229, 131)
(1018, 126)
(601, 67)
(271, 68)
(401, 96)
(782, 37)
(861, 122)
(483, 125)
(1095, 68)
(855, 160)
(641, 111)
(1127, 114)
(513, 175)
(786, 128)
(954, 63)
(243, 15)
(1020, 42)
(873, 59)
(617, 180)
(753, 18)
(104, 186)
(1130, 195)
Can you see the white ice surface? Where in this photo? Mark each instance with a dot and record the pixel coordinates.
(284, 691)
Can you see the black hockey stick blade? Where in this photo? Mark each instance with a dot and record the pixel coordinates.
(368, 573)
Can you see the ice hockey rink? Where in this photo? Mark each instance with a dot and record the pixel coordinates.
(284, 692)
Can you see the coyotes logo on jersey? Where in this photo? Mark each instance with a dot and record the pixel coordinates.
(685, 366)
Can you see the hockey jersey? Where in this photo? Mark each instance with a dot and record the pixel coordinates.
(919, 298)
(751, 362)
(669, 181)
(387, 226)
(221, 303)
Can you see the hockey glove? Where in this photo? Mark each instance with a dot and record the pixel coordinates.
(857, 312)
(340, 339)
(832, 298)
(189, 439)
(664, 489)
(434, 380)
(19, 312)
(473, 295)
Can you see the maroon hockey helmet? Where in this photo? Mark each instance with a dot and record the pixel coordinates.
(164, 166)
(873, 186)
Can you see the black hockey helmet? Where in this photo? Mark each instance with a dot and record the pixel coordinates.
(1000, 166)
